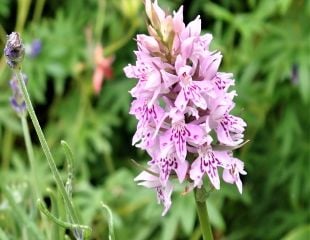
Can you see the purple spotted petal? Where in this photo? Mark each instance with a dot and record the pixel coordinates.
(144, 113)
(205, 163)
(164, 197)
(230, 130)
(179, 134)
(171, 162)
(232, 175)
(196, 133)
(143, 138)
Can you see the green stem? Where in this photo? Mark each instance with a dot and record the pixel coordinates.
(8, 139)
(38, 10)
(108, 50)
(60, 222)
(56, 232)
(109, 163)
(100, 20)
(200, 199)
(46, 150)
(21, 215)
(2, 34)
(32, 161)
(30, 154)
(110, 221)
(23, 10)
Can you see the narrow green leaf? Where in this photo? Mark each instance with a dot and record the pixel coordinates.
(110, 221)
(21, 215)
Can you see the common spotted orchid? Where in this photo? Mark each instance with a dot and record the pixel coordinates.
(183, 106)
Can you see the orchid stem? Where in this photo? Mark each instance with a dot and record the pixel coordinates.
(200, 199)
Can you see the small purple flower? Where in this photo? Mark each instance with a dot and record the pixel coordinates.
(183, 106)
(232, 173)
(146, 114)
(206, 163)
(179, 135)
(230, 130)
(143, 137)
(14, 50)
(17, 100)
(167, 163)
(34, 49)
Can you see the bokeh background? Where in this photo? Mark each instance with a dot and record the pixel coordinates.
(73, 45)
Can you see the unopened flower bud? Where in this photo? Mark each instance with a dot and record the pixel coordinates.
(155, 14)
(17, 100)
(148, 42)
(14, 50)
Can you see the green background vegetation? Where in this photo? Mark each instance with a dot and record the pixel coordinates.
(266, 44)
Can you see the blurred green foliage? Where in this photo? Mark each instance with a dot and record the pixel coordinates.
(266, 44)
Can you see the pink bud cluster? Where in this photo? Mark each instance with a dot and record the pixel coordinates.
(183, 104)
